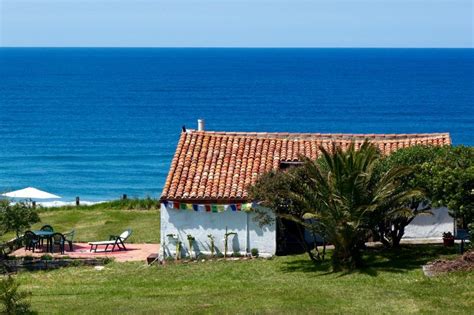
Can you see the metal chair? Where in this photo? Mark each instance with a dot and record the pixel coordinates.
(31, 240)
(58, 239)
(69, 237)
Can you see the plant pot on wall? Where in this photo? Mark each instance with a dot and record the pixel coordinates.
(448, 239)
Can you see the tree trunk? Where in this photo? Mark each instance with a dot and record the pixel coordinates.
(346, 258)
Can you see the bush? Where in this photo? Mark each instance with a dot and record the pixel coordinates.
(76, 263)
(13, 300)
(107, 260)
(46, 257)
(254, 252)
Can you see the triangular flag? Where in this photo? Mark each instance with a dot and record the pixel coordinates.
(247, 207)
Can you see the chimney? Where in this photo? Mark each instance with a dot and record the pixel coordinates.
(200, 124)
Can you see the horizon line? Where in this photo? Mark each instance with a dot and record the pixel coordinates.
(247, 47)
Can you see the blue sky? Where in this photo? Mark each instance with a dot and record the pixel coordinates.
(237, 23)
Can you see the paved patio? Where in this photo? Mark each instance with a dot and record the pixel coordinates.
(134, 252)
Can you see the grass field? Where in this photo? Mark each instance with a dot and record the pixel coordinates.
(99, 221)
(392, 283)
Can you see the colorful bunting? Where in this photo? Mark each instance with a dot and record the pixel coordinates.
(216, 208)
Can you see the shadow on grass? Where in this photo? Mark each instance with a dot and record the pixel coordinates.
(306, 265)
(403, 259)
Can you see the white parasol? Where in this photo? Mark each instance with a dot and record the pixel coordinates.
(30, 193)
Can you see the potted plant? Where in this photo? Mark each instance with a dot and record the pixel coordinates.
(254, 252)
(448, 239)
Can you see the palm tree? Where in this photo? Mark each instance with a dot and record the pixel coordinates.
(341, 194)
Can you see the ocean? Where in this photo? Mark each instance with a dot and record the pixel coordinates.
(99, 123)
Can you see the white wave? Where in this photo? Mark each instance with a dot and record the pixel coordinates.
(51, 204)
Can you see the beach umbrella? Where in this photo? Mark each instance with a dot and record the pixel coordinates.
(30, 193)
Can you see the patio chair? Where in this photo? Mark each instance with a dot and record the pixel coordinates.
(58, 239)
(31, 240)
(113, 241)
(68, 237)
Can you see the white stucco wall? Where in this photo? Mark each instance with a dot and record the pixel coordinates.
(430, 226)
(201, 224)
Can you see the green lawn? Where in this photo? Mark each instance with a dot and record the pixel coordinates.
(392, 283)
(92, 224)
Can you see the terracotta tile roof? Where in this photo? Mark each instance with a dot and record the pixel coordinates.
(211, 166)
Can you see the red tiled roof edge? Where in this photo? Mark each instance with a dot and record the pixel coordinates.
(174, 162)
(217, 167)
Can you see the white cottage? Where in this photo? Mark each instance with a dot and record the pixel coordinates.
(205, 192)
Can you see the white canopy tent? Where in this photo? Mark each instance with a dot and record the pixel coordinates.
(30, 193)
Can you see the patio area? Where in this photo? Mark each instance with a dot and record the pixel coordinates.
(134, 252)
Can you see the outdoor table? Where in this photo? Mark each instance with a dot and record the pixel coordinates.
(48, 236)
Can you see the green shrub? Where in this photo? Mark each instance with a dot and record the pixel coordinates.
(13, 300)
(107, 260)
(76, 263)
(254, 252)
(46, 257)
(28, 258)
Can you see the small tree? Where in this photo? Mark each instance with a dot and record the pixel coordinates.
(451, 182)
(391, 228)
(17, 217)
(444, 174)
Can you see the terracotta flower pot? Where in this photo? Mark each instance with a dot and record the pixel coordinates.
(448, 241)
